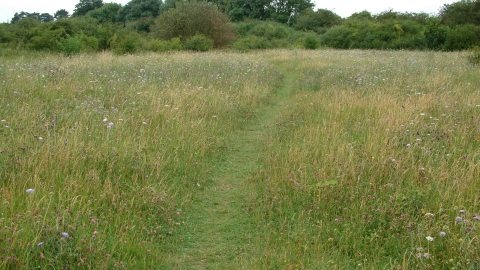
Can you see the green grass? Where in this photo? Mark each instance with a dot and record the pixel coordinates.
(267, 160)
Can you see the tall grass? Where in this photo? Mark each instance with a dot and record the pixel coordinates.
(110, 150)
(374, 164)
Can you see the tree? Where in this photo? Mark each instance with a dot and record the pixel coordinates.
(18, 16)
(286, 11)
(45, 17)
(137, 9)
(82, 8)
(238, 10)
(435, 34)
(463, 12)
(189, 19)
(318, 21)
(61, 14)
(107, 13)
(364, 15)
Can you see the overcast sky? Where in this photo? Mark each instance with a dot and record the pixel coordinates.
(344, 8)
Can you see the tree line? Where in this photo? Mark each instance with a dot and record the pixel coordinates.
(156, 25)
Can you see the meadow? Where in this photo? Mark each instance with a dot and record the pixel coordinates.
(276, 159)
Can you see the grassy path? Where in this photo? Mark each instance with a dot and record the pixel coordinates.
(219, 232)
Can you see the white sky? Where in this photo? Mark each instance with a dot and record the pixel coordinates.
(344, 8)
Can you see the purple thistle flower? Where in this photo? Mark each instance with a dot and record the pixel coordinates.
(64, 234)
(458, 220)
(30, 190)
(443, 234)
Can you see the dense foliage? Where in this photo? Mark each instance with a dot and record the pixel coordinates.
(146, 25)
(189, 19)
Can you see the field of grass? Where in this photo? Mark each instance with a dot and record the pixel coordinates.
(279, 159)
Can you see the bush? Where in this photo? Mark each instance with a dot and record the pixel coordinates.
(311, 42)
(194, 18)
(270, 30)
(251, 43)
(474, 57)
(337, 37)
(70, 45)
(125, 42)
(199, 43)
(157, 45)
(255, 34)
(435, 34)
(463, 37)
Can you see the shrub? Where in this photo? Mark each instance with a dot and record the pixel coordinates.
(463, 37)
(125, 42)
(194, 18)
(199, 43)
(474, 57)
(311, 42)
(157, 45)
(270, 30)
(435, 34)
(251, 43)
(337, 37)
(70, 45)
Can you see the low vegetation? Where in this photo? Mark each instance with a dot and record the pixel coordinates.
(243, 25)
(366, 159)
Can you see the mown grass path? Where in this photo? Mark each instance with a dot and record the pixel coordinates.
(219, 232)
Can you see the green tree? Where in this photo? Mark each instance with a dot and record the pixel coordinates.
(107, 13)
(18, 16)
(318, 21)
(84, 6)
(463, 12)
(435, 34)
(463, 37)
(194, 18)
(363, 15)
(239, 10)
(45, 17)
(286, 11)
(61, 14)
(137, 9)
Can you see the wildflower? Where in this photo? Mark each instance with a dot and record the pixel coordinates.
(40, 138)
(429, 215)
(476, 217)
(443, 234)
(462, 211)
(408, 145)
(458, 219)
(429, 238)
(40, 244)
(105, 119)
(64, 234)
(144, 123)
(30, 190)
(426, 255)
(110, 125)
